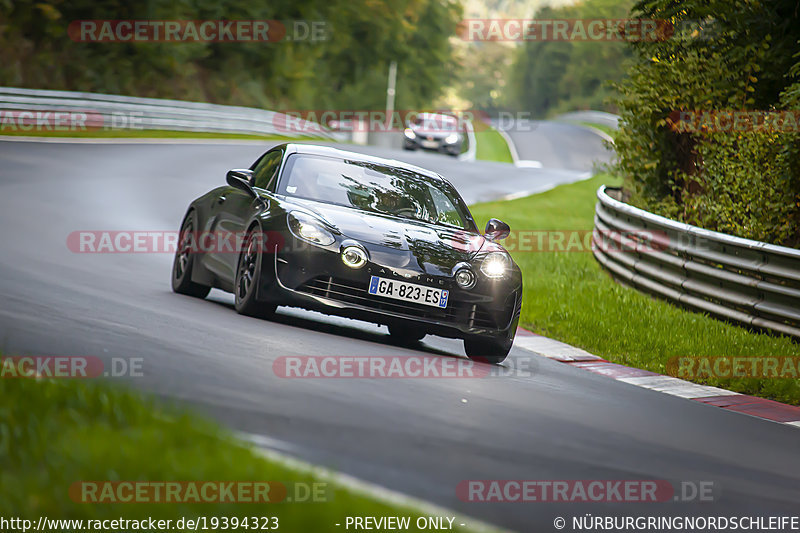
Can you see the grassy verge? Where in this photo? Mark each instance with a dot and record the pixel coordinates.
(611, 132)
(147, 134)
(490, 145)
(56, 433)
(569, 297)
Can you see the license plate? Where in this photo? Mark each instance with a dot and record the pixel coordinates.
(408, 292)
(430, 144)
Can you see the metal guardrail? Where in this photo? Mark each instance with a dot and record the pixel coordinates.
(749, 282)
(127, 112)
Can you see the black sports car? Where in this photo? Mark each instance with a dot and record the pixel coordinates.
(357, 236)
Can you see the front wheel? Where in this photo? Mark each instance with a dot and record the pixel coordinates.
(491, 351)
(248, 276)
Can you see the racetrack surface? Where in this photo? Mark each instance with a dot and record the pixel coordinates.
(417, 436)
(555, 144)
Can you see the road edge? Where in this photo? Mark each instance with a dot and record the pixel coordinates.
(271, 450)
(762, 408)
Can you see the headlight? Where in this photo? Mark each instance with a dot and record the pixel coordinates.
(354, 257)
(465, 278)
(408, 132)
(308, 228)
(451, 139)
(495, 265)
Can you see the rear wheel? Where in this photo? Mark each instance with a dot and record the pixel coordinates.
(184, 261)
(248, 277)
(406, 334)
(487, 350)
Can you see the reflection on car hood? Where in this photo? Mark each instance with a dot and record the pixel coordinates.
(402, 244)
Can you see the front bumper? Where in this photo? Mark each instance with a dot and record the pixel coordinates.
(318, 280)
(437, 144)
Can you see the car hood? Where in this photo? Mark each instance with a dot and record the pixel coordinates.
(433, 133)
(408, 246)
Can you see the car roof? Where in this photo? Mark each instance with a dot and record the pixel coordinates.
(319, 149)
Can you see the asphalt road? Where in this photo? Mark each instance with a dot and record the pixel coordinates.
(556, 144)
(418, 436)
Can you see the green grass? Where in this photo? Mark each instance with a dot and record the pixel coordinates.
(146, 134)
(567, 296)
(611, 132)
(490, 145)
(54, 433)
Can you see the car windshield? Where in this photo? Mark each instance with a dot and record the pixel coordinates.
(427, 122)
(376, 188)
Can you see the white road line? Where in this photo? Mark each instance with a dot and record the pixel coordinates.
(603, 135)
(677, 387)
(472, 149)
(553, 349)
(528, 163)
(521, 163)
(563, 352)
(523, 194)
(265, 447)
(511, 146)
(540, 189)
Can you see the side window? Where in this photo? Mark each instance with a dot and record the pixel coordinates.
(266, 169)
(446, 211)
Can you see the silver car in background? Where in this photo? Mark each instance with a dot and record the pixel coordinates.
(434, 131)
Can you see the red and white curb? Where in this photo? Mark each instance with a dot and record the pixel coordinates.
(732, 401)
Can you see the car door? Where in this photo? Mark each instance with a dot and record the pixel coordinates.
(235, 208)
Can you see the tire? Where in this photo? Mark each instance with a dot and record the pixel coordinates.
(487, 350)
(406, 334)
(184, 261)
(248, 277)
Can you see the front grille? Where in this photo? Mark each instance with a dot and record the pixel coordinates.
(347, 291)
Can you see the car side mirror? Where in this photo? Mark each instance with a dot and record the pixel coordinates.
(241, 179)
(496, 230)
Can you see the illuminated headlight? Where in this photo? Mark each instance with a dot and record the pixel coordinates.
(408, 132)
(451, 139)
(495, 265)
(354, 257)
(465, 278)
(309, 229)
